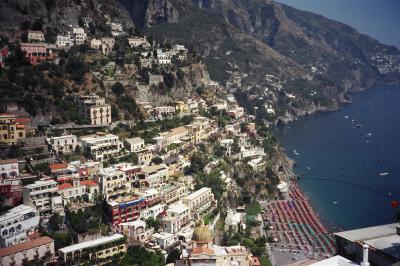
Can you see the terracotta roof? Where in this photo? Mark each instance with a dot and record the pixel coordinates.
(255, 261)
(25, 246)
(89, 183)
(58, 166)
(64, 186)
(201, 250)
(23, 120)
(7, 161)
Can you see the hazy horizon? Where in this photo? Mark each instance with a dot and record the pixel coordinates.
(378, 19)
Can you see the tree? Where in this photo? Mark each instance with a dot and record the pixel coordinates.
(180, 74)
(169, 80)
(157, 160)
(153, 223)
(218, 150)
(37, 25)
(173, 255)
(118, 88)
(55, 222)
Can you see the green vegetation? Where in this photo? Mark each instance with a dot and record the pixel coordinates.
(90, 219)
(265, 261)
(137, 255)
(253, 208)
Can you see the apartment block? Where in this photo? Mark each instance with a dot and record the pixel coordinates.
(43, 195)
(98, 249)
(95, 109)
(199, 201)
(39, 249)
(16, 224)
(63, 144)
(10, 130)
(101, 147)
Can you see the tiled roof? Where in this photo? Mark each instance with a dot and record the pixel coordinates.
(8, 161)
(58, 166)
(23, 120)
(202, 250)
(25, 246)
(64, 186)
(89, 183)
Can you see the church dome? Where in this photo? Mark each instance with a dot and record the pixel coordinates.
(202, 234)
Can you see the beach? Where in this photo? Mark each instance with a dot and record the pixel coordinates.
(296, 228)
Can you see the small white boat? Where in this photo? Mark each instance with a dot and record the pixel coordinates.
(369, 134)
(346, 117)
(383, 174)
(334, 202)
(296, 153)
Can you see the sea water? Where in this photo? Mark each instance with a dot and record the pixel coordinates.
(349, 161)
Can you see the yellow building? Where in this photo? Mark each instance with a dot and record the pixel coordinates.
(181, 107)
(10, 130)
(97, 251)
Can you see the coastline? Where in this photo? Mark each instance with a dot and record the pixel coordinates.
(364, 156)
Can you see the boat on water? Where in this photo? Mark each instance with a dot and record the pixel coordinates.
(296, 153)
(346, 117)
(334, 202)
(369, 134)
(383, 174)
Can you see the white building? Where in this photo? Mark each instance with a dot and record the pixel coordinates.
(63, 144)
(164, 240)
(154, 175)
(95, 44)
(166, 138)
(64, 41)
(9, 169)
(227, 145)
(35, 36)
(71, 192)
(116, 29)
(113, 183)
(163, 58)
(16, 224)
(43, 195)
(78, 35)
(199, 201)
(136, 230)
(40, 249)
(232, 221)
(177, 217)
(138, 41)
(101, 147)
(152, 212)
(134, 144)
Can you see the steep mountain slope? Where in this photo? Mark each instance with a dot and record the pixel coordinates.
(316, 59)
(55, 15)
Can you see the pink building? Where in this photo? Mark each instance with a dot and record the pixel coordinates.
(36, 52)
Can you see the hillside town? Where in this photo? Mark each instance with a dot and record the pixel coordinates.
(117, 148)
(93, 191)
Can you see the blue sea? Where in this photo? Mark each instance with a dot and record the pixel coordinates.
(350, 170)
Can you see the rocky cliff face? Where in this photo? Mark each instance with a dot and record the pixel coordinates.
(195, 75)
